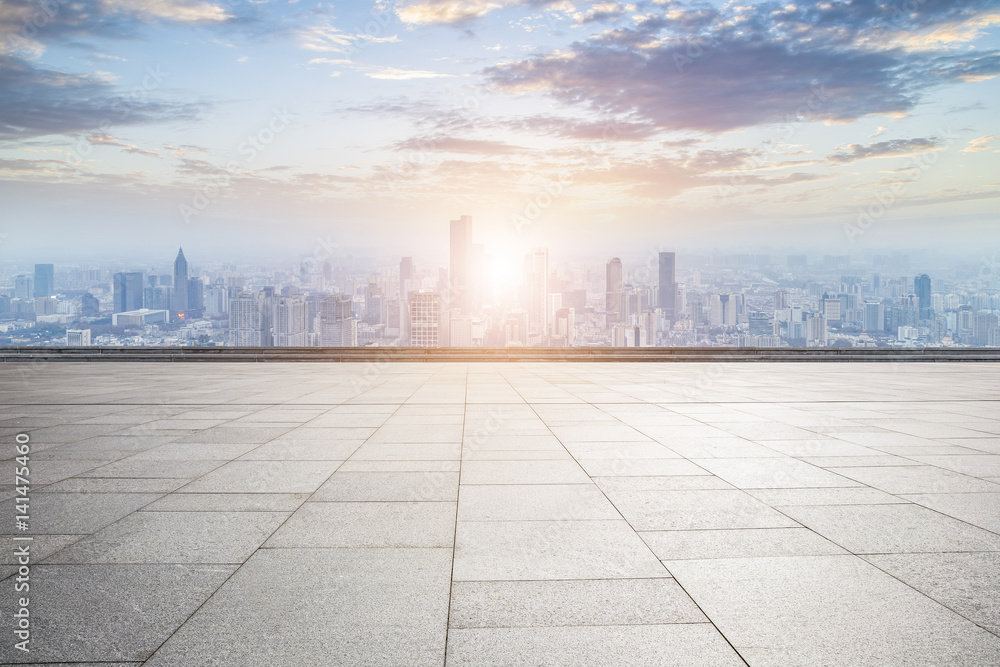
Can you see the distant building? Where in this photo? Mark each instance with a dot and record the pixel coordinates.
(667, 294)
(337, 326)
(128, 291)
(244, 320)
(289, 321)
(922, 288)
(459, 292)
(45, 305)
(90, 306)
(141, 317)
(613, 290)
(538, 290)
(874, 318)
(78, 337)
(23, 287)
(196, 295)
(180, 304)
(44, 280)
(425, 319)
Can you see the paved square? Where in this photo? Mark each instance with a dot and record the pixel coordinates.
(702, 515)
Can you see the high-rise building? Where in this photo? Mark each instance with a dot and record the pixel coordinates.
(781, 300)
(23, 287)
(667, 294)
(244, 320)
(459, 294)
(127, 291)
(874, 317)
(196, 295)
(405, 278)
(337, 326)
(289, 321)
(613, 290)
(538, 290)
(922, 288)
(44, 280)
(180, 283)
(425, 319)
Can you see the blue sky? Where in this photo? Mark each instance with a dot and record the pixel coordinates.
(256, 125)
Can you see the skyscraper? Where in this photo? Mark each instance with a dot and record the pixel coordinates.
(23, 287)
(613, 291)
(44, 280)
(922, 288)
(127, 291)
(459, 294)
(180, 283)
(405, 278)
(538, 289)
(667, 295)
(244, 320)
(289, 321)
(337, 326)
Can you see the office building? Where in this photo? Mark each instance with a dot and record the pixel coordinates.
(613, 290)
(24, 287)
(667, 294)
(538, 290)
(78, 337)
(336, 325)
(425, 319)
(922, 289)
(459, 285)
(140, 318)
(244, 320)
(127, 291)
(44, 280)
(289, 321)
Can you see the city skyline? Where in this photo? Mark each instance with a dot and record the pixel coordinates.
(256, 128)
(666, 300)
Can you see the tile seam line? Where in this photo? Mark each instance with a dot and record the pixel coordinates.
(634, 531)
(260, 547)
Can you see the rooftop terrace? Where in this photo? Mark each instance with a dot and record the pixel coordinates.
(376, 513)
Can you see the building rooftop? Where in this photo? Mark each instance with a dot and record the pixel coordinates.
(282, 514)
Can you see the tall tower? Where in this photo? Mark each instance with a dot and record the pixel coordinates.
(180, 283)
(921, 286)
(613, 290)
(538, 289)
(405, 277)
(460, 293)
(667, 295)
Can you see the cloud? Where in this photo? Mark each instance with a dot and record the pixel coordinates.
(980, 144)
(37, 102)
(719, 70)
(892, 148)
(380, 71)
(461, 12)
(177, 11)
(396, 74)
(447, 11)
(446, 144)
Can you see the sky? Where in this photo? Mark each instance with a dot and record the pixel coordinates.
(247, 127)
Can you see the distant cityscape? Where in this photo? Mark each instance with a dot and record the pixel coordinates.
(666, 299)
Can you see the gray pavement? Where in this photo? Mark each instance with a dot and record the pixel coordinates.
(231, 514)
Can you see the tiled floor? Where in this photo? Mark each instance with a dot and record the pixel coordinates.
(296, 515)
